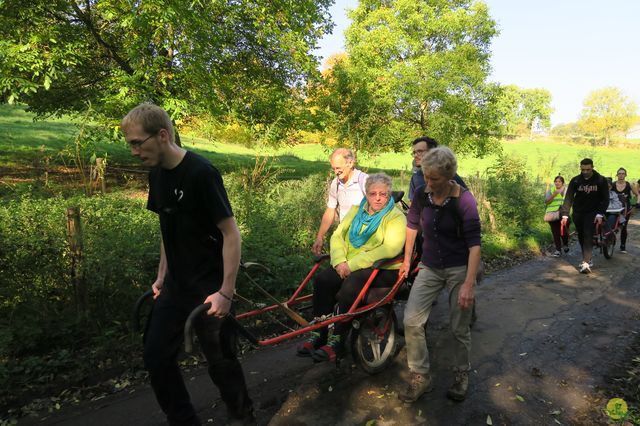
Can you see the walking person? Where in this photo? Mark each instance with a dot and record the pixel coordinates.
(554, 200)
(448, 218)
(199, 260)
(624, 188)
(420, 147)
(345, 190)
(588, 194)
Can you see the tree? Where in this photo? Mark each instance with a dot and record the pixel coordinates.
(523, 109)
(418, 67)
(242, 58)
(606, 111)
(536, 108)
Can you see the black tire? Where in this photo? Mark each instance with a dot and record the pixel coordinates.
(608, 244)
(376, 342)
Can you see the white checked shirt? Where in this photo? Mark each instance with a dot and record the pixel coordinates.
(344, 195)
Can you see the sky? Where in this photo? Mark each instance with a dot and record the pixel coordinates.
(569, 47)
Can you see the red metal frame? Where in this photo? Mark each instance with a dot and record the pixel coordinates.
(599, 236)
(353, 311)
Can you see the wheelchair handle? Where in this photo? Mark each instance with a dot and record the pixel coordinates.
(246, 265)
(188, 327)
(321, 257)
(135, 320)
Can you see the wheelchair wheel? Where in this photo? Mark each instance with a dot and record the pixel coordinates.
(374, 340)
(608, 243)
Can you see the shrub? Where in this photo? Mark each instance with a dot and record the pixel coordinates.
(120, 255)
(515, 198)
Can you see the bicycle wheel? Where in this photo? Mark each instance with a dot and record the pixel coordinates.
(609, 242)
(375, 341)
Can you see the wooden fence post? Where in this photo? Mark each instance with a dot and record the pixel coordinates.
(101, 166)
(74, 238)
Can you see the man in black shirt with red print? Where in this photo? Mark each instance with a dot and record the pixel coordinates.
(199, 260)
(589, 195)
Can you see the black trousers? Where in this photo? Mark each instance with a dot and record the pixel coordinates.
(218, 339)
(623, 231)
(559, 240)
(585, 228)
(329, 289)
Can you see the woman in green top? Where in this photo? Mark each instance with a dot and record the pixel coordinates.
(554, 200)
(371, 231)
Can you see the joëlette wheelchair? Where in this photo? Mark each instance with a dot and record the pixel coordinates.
(375, 328)
(604, 236)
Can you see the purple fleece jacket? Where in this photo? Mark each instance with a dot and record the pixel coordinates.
(442, 247)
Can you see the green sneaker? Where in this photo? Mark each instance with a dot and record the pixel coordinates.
(332, 351)
(314, 342)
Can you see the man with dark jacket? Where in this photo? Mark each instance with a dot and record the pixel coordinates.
(420, 147)
(589, 195)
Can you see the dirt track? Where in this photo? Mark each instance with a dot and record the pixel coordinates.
(545, 339)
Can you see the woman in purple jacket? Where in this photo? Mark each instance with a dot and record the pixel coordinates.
(447, 216)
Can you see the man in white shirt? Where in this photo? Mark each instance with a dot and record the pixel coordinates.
(345, 190)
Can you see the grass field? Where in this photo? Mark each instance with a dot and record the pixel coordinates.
(25, 142)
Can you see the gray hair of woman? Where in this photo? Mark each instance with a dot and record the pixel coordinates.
(440, 160)
(378, 178)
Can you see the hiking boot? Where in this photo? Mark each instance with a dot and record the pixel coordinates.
(585, 268)
(623, 249)
(417, 385)
(332, 351)
(556, 253)
(458, 391)
(566, 249)
(314, 342)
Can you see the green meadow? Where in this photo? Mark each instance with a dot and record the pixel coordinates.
(26, 141)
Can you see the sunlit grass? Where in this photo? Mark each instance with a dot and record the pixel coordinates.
(25, 141)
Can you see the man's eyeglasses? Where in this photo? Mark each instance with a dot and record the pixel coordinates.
(137, 143)
(418, 151)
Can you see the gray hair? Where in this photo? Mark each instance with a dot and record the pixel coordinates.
(378, 178)
(345, 153)
(440, 160)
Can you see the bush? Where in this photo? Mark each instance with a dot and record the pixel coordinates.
(278, 221)
(514, 197)
(38, 307)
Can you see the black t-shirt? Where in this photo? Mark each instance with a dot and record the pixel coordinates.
(190, 200)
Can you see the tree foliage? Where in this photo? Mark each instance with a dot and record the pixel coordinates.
(221, 57)
(606, 111)
(415, 67)
(522, 110)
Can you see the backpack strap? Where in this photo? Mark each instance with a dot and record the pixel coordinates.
(454, 202)
(453, 206)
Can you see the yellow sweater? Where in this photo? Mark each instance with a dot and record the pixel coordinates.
(386, 242)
